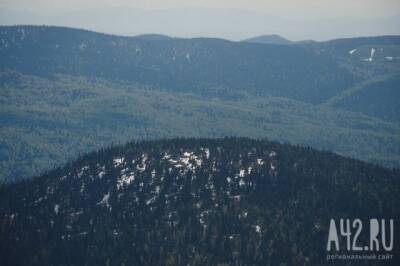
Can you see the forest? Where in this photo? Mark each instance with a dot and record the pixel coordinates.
(230, 201)
(65, 92)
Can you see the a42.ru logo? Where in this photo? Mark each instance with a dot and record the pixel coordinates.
(380, 235)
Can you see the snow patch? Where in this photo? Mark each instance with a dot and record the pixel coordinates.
(150, 201)
(105, 201)
(125, 180)
(187, 154)
(118, 161)
(242, 173)
(56, 209)
(166, 156)
(101, 174)
(257, 228)
(371, 58)
(198, 162)
(352, 51)
(207, 152)
(84, 169)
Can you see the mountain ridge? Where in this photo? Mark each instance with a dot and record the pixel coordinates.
(269, 39)
(393, 38)
(67, 91)
(177, 63)
(218, 23)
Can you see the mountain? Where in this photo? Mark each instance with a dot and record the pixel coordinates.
(153, 37)
(269, 39)
(194, 202)
(196, 65)
(377, 95)
(379, 99)
(64, 92)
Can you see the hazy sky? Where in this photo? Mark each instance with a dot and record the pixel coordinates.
(313, 9)
(229, 19)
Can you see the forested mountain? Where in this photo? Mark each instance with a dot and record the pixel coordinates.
(269, 39)
(66, 91)
(231, 201)
(189, 65)
(379, 99)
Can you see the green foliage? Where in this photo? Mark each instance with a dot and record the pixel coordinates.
(46, 122)
(379, 99)
(184, 65)
(64, 92)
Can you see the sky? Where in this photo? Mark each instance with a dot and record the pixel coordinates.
(230, 19)
(313, 9)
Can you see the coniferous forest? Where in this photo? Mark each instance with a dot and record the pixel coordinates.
(231, 201)
(66, 91)
(158, 150)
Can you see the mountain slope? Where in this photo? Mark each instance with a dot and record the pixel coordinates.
(379, 99)
(45, 122)
(366, 57)
(196, 202)
(377, 61)
(64, 92)
(188, 65)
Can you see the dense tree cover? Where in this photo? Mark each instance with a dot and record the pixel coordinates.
(231, 201)
(195, 65)
(46, 122)
(379, 99)
(65, 91)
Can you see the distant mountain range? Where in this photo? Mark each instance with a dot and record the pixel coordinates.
(195, 202)
(269, 39)
(197, 65)
(231, 24)
(66, 91)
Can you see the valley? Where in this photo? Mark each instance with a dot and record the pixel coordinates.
(61, 97)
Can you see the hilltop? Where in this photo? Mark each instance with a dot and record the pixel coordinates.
(192, 201)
